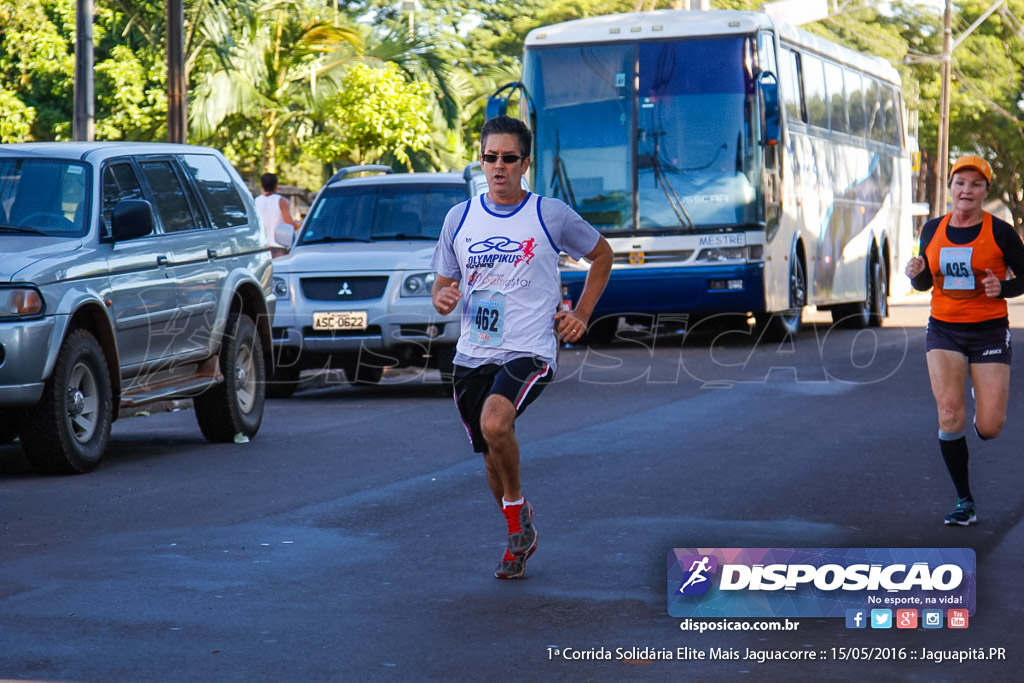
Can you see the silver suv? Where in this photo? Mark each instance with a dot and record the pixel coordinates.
(354, 293)
(129, 273)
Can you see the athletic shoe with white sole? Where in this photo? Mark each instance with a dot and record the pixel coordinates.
(963, 514)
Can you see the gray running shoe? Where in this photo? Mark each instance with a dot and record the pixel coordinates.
(963, 514)
(522, 534)
(512, 566)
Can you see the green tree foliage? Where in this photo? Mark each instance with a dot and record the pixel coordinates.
(270, 61)
(37, 66)
(264, 75)
(16, 118)
(131, 89)
(986, 96)
(374, 112)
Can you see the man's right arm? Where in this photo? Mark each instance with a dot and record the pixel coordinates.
(445, 294)
(445, 291)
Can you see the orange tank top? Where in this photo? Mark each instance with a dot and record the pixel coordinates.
(957, 271)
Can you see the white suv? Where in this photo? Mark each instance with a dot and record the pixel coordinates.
(354, 292)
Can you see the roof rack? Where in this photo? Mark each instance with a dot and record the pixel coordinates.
(350, 170)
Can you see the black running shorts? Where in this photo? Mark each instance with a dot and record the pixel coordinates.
(520, 381)
(981, 345)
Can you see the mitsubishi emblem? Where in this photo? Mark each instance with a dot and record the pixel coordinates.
(344, 291)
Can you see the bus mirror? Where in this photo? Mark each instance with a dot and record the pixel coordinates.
(496, 106)
(768, 87)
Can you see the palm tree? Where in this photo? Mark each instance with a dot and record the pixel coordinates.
(270, 60)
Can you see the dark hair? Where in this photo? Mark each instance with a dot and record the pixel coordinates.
(506, 125)
(268, 181)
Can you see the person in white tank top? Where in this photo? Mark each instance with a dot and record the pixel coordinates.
(277, 217)
(502, 250)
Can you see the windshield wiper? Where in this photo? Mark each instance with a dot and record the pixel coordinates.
(661, 178)
(403, 236)
(20, 228)
(561, 183)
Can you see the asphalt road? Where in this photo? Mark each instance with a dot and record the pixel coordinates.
(354, 537)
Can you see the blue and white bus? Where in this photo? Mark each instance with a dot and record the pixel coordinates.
(736, 164)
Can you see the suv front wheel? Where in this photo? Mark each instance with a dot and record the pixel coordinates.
(68, 430)
(235, 406)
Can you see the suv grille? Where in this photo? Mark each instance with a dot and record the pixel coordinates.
(344, 288)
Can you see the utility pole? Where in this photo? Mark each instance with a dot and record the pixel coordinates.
(177, 105)
(83, 118)
(948, 45)
(943, 154)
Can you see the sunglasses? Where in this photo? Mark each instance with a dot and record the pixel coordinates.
(507, 158)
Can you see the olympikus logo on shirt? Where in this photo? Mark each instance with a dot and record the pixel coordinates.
(500, 249)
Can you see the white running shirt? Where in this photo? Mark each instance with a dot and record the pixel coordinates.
(507, 264)
(269, 208)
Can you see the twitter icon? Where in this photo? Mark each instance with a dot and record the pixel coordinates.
(881, 618)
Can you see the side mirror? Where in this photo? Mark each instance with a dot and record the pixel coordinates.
(131, 218)
(497, 104)
(768, 88)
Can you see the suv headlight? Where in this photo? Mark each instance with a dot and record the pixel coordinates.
(281, 287)
(419, 284)
(20, 302)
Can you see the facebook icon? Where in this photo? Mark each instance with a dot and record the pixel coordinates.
(856, 618)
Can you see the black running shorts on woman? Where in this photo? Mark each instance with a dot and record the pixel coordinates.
(980, 342)
(520, 381)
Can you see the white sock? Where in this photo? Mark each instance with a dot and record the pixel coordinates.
(505, 503)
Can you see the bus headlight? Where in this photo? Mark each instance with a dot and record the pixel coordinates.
(715, 254)
(20, 302)
(751, 252)
(419, 284)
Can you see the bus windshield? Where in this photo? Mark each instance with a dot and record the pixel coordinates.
(670, 123)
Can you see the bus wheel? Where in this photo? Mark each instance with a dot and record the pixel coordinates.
(870, 311)
(778, 326)
(879, 294)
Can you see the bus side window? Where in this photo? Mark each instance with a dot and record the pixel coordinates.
(890, 111)
(873, 106)
(837, 98)
(814, 91)
(855, 100)
(792, 94)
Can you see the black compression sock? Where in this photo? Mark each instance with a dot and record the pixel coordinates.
(955, 454)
